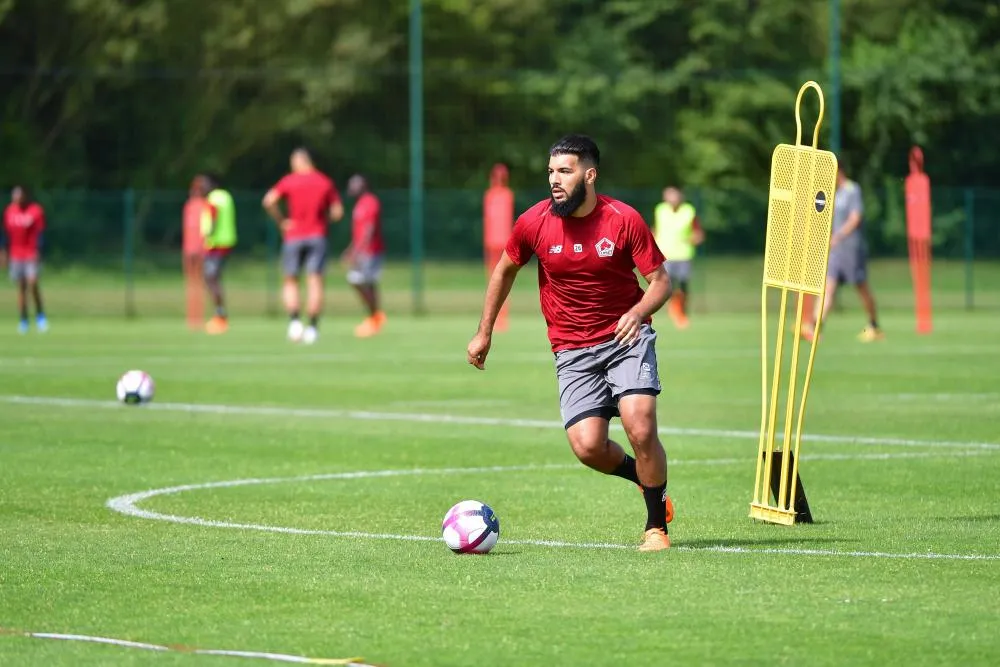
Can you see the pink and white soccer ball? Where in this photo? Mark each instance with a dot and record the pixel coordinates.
(135, 388)
(470, 527)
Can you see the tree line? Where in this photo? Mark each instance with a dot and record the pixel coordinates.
(145, 93)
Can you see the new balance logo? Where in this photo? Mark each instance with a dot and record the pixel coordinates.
(555, 249)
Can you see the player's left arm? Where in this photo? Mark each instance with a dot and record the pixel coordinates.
(657, 293)
(649, 260)
(851, 224)
(697, 232)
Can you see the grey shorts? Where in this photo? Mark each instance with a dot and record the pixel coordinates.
(212, 264)
(367, 269)
(848, 265)
(678, 271)
(593, 379)
(24, 269)
(300, 255)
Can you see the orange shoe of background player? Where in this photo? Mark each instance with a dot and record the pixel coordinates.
(368, 328)
(677, 314)
(217, 325)
(655, 539)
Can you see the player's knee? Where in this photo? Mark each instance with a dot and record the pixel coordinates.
(642, 435)
(588, 444)
(589, 452)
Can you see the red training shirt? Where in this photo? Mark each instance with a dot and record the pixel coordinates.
(309, 197)
(586, 277)
(24, 226)
(366, 216)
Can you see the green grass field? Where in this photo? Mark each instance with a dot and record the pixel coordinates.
(351, 451)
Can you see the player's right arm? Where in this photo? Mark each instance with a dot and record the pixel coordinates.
(501, 282)
(270, 203)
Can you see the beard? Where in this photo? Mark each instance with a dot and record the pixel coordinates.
(574, 200)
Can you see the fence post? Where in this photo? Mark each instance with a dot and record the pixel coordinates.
(701, 252)
(271, 272)
(128, 251)
(416, 64)
(970, 228)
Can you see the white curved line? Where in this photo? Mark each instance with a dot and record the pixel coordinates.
(127, 505)
(124, 643)
(98, 640)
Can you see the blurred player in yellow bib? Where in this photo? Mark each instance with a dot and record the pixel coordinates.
(678, 233)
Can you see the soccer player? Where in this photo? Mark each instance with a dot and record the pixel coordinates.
(218, 227)
(312, 200)
(677, 233)
(598, 318)
(24, 222)
(193, 251)
(364, 254)
(848, 258)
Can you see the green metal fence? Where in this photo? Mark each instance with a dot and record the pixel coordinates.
(135, 235)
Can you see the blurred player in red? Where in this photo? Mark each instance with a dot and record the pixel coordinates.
(192, 248)
(588, 247)
(312, 201)
(364, 255)
(24, 222)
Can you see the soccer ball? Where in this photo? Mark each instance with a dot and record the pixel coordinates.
(470, 527)
(135, 388)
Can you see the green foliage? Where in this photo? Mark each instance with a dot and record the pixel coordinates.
(115, 93)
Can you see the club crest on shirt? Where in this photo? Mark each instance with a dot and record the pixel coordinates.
(605, 248)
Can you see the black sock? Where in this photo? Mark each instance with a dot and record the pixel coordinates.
(874, 324)
(314, 321)
(626, 470)
(294, 315)
(656, 506)
(221, 312)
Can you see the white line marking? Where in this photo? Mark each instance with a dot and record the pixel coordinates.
(431, 418)
(128, 505)
(453, 403)
(273, 657)
(98, 640)
(975, 396)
